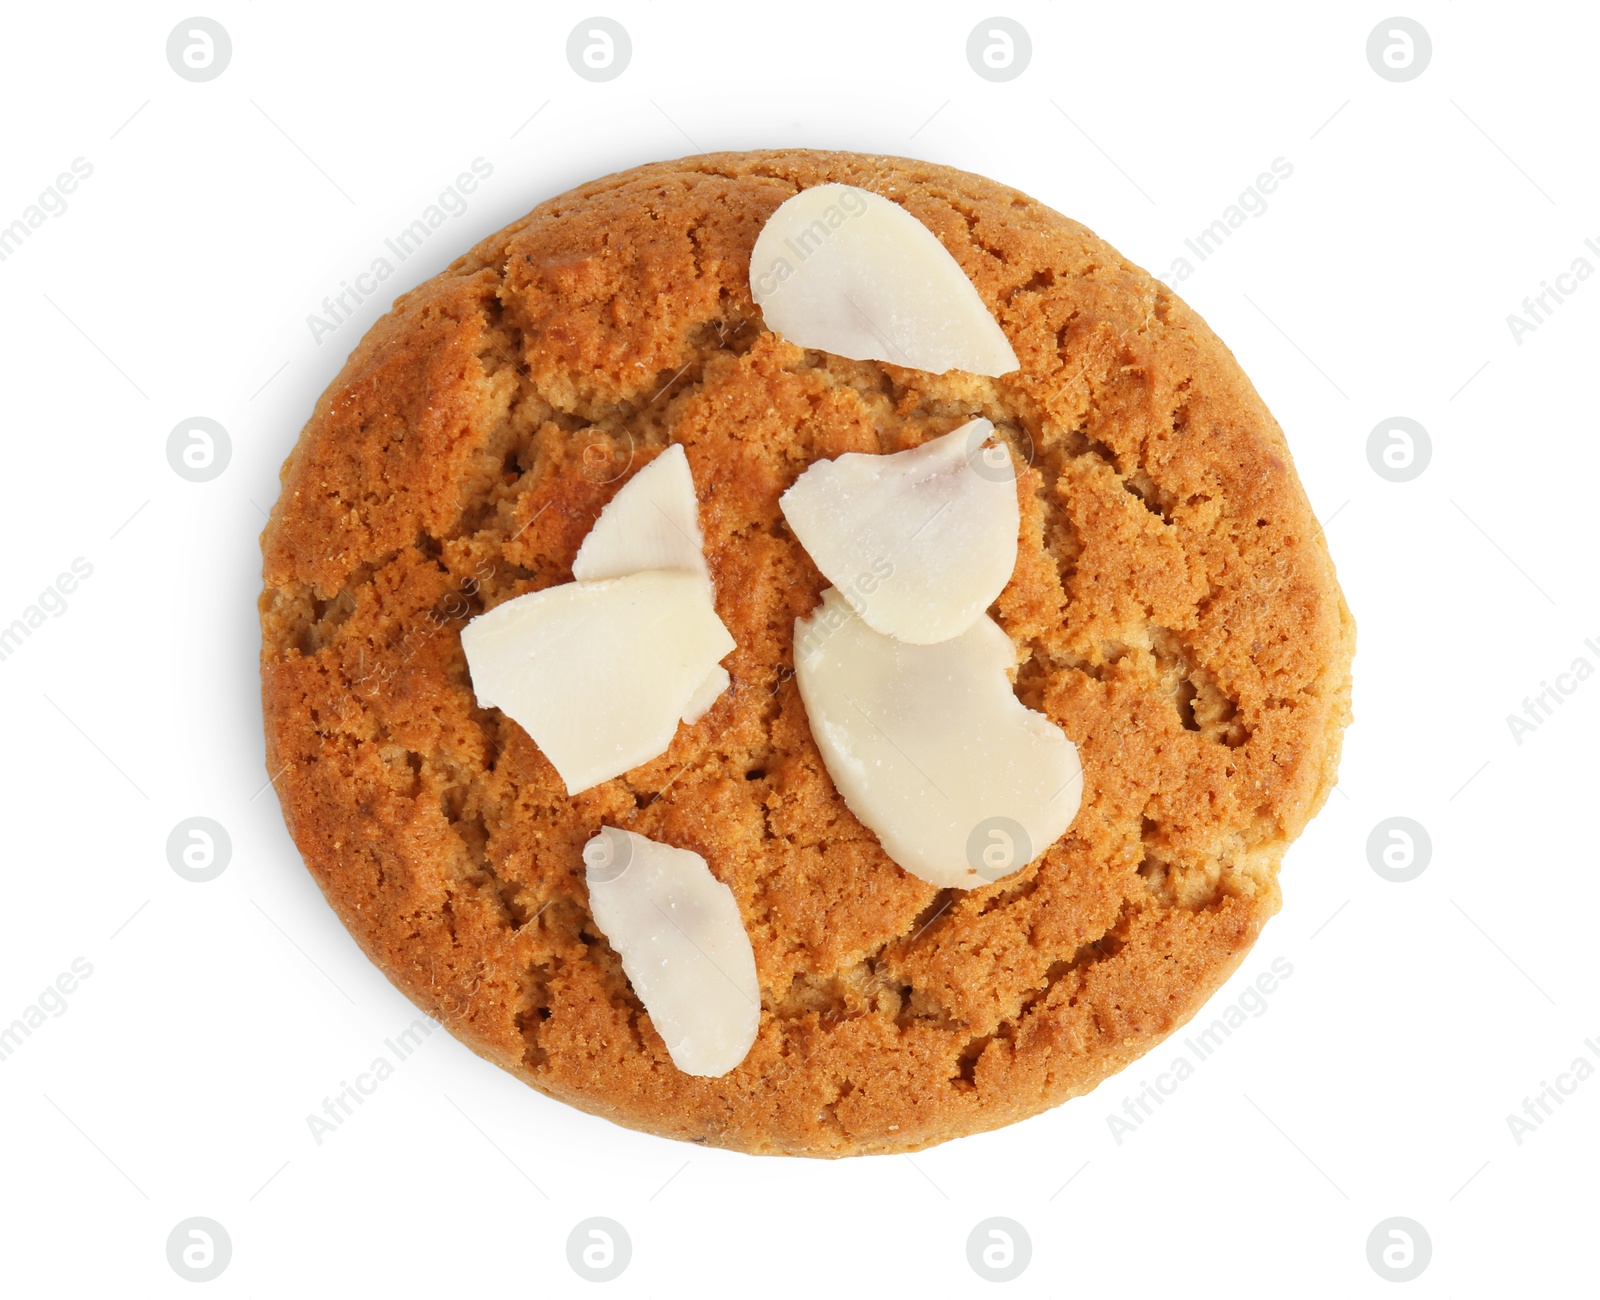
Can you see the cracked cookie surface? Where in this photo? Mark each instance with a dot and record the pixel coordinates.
(1173, 604)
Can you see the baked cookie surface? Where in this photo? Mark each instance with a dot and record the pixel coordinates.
(1173, 604)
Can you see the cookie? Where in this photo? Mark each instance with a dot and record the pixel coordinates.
(1173, 604)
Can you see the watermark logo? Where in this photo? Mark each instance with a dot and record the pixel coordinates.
(828, 619)
(1539, 709)
(198, 449)
(602, 458)
(999, 1249)
(1399, 449)
(1399, 1249)
(1399, 49)
(199, 1249)
(199, 49)
(457, 605)
(806, 242)
(607, 856)
(599, 49)
(1399, 849)
(990, 459)
(999, 49)
(342, 1105)
(998, 846)
(599, 1249)
(1538, 308)
(51, 603)
(52, 202)
(1541, 1106)
(51, 1003)
(400, 247)
(199, 849)
(1251, 202)
(1249, 1005)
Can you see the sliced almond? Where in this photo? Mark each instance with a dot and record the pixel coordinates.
(705, 695)
(921, 542)
(653, 522)
(598, 673)
(683, 946)
(846, 271)
(932, 750)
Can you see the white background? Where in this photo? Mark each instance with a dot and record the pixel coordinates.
(1378, 282)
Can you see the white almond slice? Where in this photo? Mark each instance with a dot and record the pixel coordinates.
(931, 749)
(845, 271)
(921, 542)
(598, 673)
(652, 523)
(706, 694)
(683, 946)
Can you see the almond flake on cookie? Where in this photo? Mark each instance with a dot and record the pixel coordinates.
(683, 946)
(846, 271)
(598, 673)
(653, 523)
(595, 670)
(920, 542)
(930, 748)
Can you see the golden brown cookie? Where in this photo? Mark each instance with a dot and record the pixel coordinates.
(1173, 604)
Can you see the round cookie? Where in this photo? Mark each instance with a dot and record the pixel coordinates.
(1173, 604)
